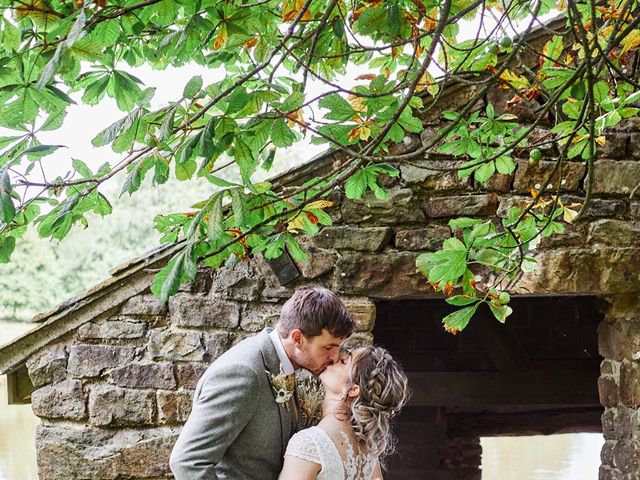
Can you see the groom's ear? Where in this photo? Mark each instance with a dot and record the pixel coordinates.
(297, 337)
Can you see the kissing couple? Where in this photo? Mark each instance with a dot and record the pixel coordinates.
(246, 416)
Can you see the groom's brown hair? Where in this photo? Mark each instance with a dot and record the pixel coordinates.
(312, 309)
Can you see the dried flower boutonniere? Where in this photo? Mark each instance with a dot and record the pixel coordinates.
(283, 387)
(311, 395)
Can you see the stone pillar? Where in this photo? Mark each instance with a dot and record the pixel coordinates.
(619, 388)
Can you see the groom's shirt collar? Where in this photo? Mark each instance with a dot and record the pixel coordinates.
(287, 367)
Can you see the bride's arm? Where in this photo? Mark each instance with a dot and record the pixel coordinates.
(295, 468)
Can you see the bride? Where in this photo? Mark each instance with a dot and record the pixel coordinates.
(364, 389)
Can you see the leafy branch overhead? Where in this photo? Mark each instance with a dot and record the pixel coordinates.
(285, 65)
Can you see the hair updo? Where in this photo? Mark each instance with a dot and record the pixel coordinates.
(383, 392)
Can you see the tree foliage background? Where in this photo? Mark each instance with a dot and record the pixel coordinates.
(271, 52)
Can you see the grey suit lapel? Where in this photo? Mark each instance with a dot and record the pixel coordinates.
(272, 364)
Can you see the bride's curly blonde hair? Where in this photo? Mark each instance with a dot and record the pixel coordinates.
(383, 392)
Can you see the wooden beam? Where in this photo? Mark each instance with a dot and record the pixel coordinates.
(532, 387)
(501, 345)
(19, 386)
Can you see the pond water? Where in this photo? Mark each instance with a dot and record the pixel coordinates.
(17, 424)
(555, 457)
(569, 456)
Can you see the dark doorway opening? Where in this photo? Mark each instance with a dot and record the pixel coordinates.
(534, 375)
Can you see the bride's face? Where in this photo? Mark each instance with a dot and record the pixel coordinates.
(335, 378)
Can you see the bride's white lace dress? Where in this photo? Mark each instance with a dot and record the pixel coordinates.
(314, 445)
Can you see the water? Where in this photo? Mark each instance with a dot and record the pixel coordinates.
(17, 424)
(569, 456)
(554, 457)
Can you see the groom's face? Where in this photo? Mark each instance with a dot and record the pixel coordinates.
(317, 353)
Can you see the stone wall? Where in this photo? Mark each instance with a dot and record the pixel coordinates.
(619, 387)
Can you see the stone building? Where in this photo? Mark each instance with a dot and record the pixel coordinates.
(111, 373)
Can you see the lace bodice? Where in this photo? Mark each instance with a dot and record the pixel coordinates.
(314, 445)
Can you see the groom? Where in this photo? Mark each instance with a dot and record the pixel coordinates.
(237, 430)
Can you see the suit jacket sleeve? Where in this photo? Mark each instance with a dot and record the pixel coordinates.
(222, 407)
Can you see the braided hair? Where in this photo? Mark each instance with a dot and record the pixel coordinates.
(383, 392)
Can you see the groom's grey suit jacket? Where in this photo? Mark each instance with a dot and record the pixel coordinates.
(236, 430)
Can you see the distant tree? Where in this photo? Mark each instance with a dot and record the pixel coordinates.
(271, 50)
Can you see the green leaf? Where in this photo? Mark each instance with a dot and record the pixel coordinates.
(485, 171)
(501, 312)
(281, 135)
(7, 209)
(339, 108)
(464, 222)
(7, 246)
(243, 156)
(459, 319)
(356, 185)
(296, 251)
(192, 87)
(462, 300)
(215, 229)
(81, 168)
(505, 165)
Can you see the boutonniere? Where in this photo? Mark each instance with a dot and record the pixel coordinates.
(283, 387)
(311, 395)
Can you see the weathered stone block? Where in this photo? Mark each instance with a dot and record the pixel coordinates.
(49, 366)
(256, 316)
(574, 235)
(176, 346)
(463, 205)
(360, 339)
(630, 384)
(391, 275)
(574, 271)
(363, 312)
(372, 239)
(635, 209)
(188, 374)
(188, 310)
(615, 176)
(615, 232)
(93, 360)
(626, 455)
(216, 343)
(434, 175)
(608, 391)
(528, 176)
(145, 375)
(174, 407)
(615, 145)
(111, 329)
(409, 143)
(318, 263)
(110, 405)
(241, 282)
(507, 203)
(607, 418)
(598, 207)
(400, 208)
(498, 182)
(429, 238)
(619, 340)
(610, 367)
(63, 400)
(144, 305)
(86, 452)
